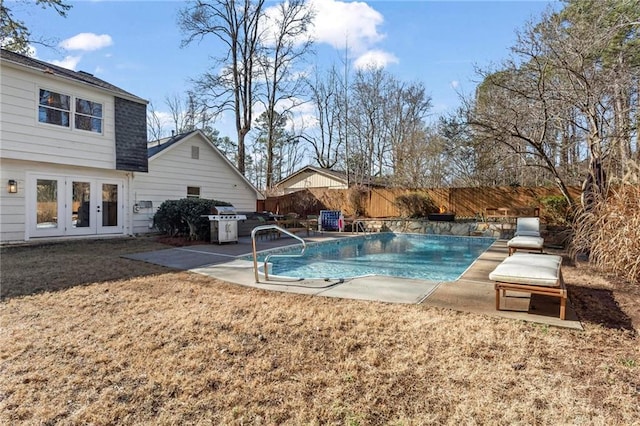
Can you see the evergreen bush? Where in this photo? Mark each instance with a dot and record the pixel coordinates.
(184, 218)
(555, 210)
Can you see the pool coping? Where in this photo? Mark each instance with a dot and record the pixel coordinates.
(472, 292)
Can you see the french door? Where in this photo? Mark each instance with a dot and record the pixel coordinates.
(69, 205)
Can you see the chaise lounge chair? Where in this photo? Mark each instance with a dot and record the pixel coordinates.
(527, 236)
(531, 273)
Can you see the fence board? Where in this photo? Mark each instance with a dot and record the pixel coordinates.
(380, 202)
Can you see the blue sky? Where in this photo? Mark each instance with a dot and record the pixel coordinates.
(136, 44)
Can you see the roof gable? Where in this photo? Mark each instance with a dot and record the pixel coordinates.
(336, 175)
(166, 145)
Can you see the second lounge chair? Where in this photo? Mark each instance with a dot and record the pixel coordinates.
(527, 236)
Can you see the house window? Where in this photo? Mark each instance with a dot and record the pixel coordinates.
(195, 152)
(54, 108)
(193, 192)
(88, 116)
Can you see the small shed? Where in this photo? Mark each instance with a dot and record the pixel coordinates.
(312, 177)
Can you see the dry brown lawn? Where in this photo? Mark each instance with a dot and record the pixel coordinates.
(91, 338)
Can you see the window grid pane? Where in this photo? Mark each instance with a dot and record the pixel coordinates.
(88, 115)
(54, 108)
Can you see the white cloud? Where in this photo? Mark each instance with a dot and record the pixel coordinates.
(166, 120)
(340, 24)
(376, 59)
(87, 42)
(69, 62)
(455, 84)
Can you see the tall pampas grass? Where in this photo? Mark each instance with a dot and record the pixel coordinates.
(609, 232)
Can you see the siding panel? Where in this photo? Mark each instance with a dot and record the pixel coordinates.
(23, 137)
(172, 171)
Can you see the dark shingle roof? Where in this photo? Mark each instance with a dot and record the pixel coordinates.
(337, 174)
(81, 76)
(166, 143)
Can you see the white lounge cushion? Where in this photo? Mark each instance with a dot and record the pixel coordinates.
(528, 226)
(531, 269)
(524, 242)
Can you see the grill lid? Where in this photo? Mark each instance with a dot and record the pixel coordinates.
(221, 210)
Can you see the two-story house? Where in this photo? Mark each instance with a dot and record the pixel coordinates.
(70, 144)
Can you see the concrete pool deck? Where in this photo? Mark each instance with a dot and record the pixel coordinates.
(473, 292)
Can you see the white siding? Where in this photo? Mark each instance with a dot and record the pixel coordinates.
(172, 171)
(12, 206)
(24, 138)
(312, 180)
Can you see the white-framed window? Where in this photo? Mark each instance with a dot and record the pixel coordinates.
(57, 109)
(88, 115)
(193, 192)
(54, 108)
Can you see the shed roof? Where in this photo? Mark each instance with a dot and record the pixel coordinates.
(337, 175)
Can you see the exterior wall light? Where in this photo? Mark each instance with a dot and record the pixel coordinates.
(12, 186)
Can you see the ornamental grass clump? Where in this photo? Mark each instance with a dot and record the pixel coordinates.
(609, 233)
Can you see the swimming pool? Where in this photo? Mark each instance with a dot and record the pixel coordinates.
(426, 257)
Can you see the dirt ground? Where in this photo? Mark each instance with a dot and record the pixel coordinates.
(91, 337)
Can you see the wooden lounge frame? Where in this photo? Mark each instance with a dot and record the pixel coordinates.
(531, 273)
(560, 291)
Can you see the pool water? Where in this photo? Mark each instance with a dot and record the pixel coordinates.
(427, 257)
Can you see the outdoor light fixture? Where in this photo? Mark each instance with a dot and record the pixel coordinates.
(12, 187)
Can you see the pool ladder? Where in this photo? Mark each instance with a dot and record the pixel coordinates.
(255, 231)
(359, 225)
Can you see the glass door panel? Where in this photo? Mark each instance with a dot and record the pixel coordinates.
(109, 204)
(46, 204)
(81, 205)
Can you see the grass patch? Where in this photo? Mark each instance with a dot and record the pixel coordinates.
(101, 339)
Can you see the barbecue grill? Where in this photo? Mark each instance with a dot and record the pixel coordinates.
(224, 224)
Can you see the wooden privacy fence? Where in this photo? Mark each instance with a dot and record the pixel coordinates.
(379, 203)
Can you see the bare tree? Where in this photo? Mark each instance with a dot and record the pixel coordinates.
(512, 109)
(15, 35)
(366, 121)
(469, 163)
(236, 25)
(324, 136)
(154, 124)
(567, 96)
(285, 45)
(406, 107)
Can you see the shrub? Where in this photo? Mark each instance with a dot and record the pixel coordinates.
(184, 217)
(416, 205)
(555, 210)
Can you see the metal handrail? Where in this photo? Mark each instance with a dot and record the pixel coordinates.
(359, 224)
(266, 259)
